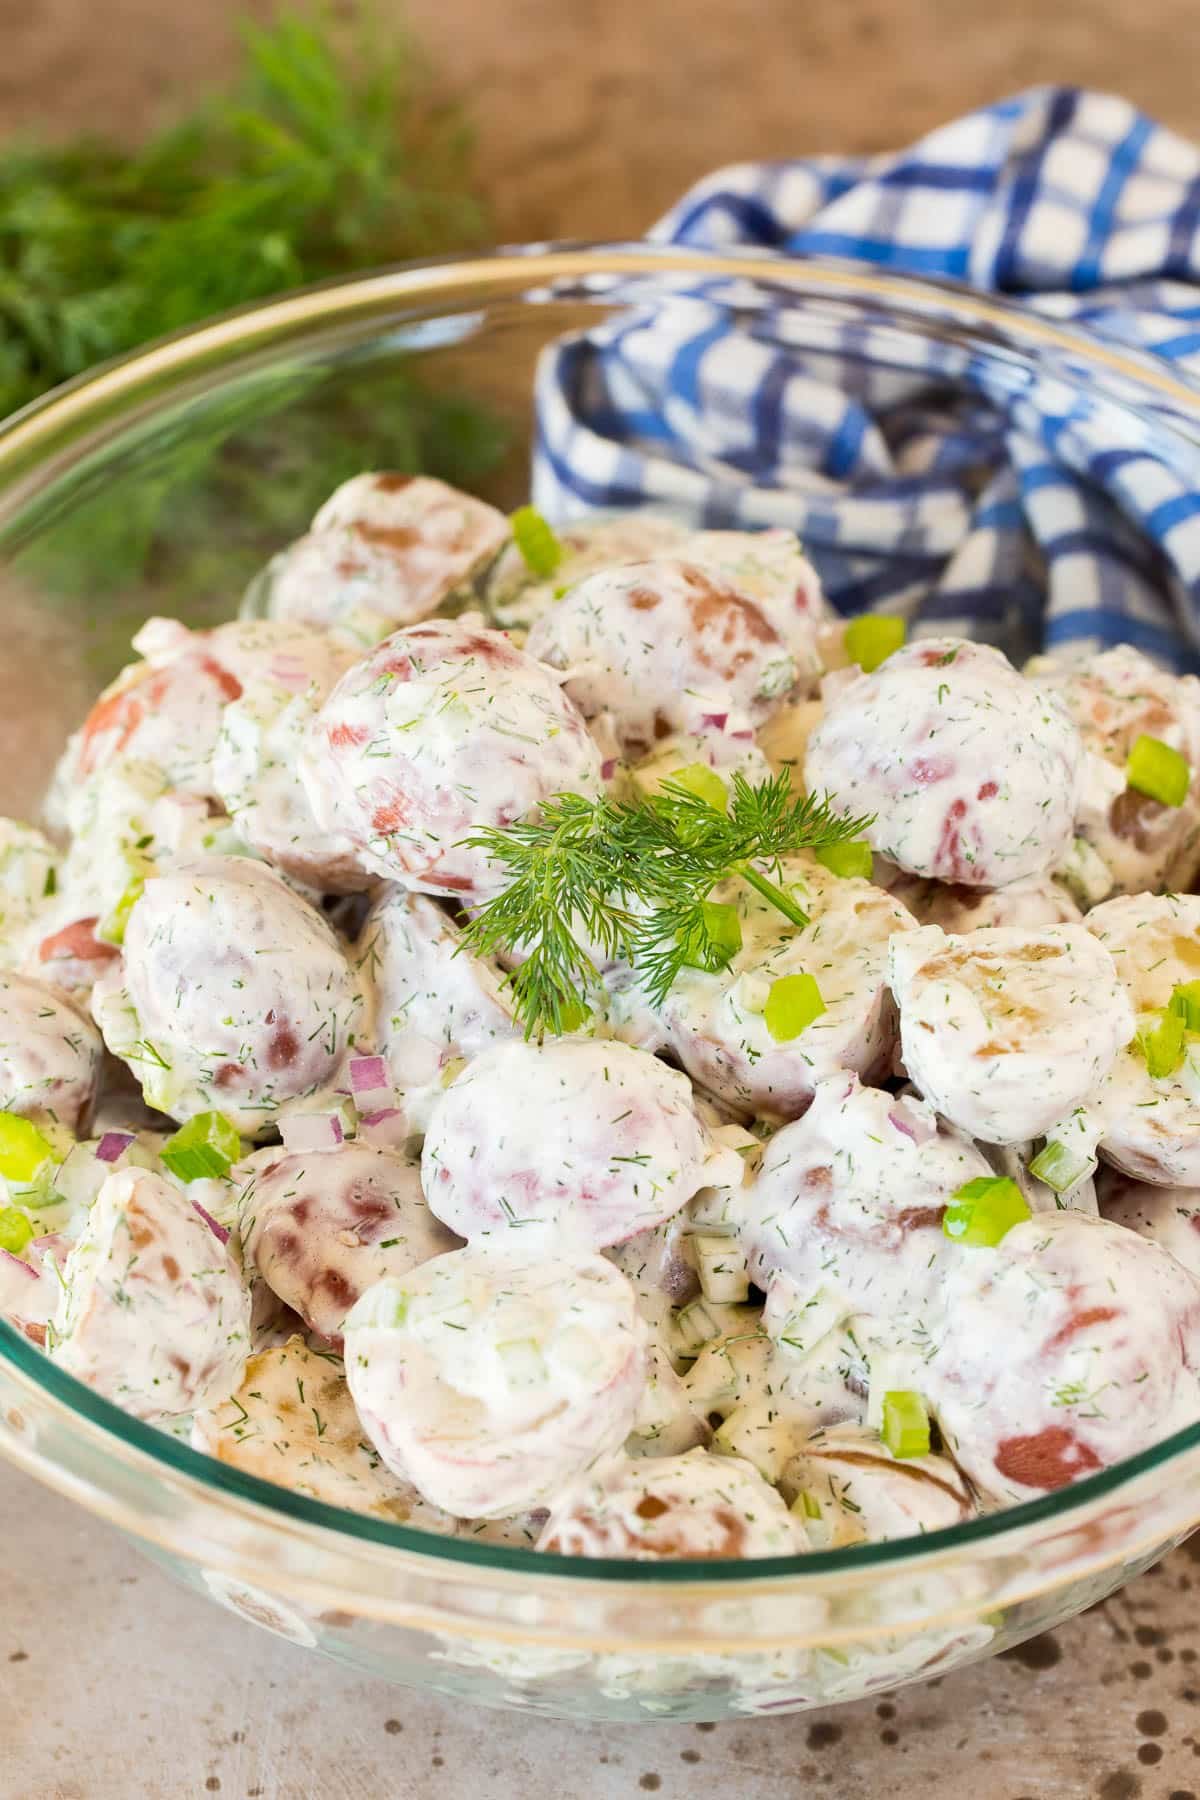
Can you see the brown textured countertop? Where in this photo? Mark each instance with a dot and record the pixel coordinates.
(591, 120)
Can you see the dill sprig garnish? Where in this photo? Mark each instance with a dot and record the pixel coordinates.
(630, 879)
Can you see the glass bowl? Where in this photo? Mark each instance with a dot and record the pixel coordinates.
(162, 483)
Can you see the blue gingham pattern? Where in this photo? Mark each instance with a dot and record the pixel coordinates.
(924, 479)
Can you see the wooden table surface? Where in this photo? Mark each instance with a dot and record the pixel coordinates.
(591, 120)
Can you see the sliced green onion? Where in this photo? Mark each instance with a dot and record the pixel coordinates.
(792, 1004)
(1153, 768)
(905, 1428)
(203, 1149)
(810, 1505)
(723, 1269)
(15, 1230)
(705, 783)
(536, 540)
(871, 639)
(1163, 1046)
(851, 858)
(23, 1149)
(984, 1211)
(572, 1014)
(111, 929)
(1185, 1002)
(50, 885)
(718, 941)
(1059, 1167)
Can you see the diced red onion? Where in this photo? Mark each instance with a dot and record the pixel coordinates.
(386, 1129)
(368, 1074)
(918, 1129)
(17, 1263)
(742, 737)
(608, 768)
(113, 1145)
(217, 1230)
(713, 721)
(311, 1131)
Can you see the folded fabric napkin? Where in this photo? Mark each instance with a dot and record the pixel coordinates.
(966, 495)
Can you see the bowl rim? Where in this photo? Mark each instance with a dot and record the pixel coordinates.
(510, 270)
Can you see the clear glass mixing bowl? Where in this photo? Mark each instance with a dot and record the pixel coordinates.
(161, 484)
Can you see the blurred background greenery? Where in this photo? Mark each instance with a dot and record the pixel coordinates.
(329, 151)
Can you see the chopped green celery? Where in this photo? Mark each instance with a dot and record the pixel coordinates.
(792, 1004)
(203, 1149)
(905, 1428)
(111, 929)
(1060, 1167)
(871, 639)
(572, 1014)
(1158, 771)
(23, 1149)
(15, 1230)
(982, 1212)
(705, 783)
(851, 858)
(1162, 1046)
(537, 542)
(1185, 1003)
(721, 940)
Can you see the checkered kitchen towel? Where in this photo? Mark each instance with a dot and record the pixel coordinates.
(957, 488)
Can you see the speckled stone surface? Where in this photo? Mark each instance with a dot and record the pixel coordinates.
(118, 1685)
(591, 120)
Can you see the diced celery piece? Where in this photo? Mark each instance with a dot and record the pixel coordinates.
(905, 1423)
(704, 783)
(983, 1211)
(15, 1230)
(1185, 1002)
(537, 541)
(871, 639)
(851, 858)
(111, 929)
(1158, 771)
(792, 1004)
(1060, 1167)
(23, 1149)
(203, 1149)
(1162, 1045)
(719, 942)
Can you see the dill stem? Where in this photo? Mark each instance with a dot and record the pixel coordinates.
(776, 896)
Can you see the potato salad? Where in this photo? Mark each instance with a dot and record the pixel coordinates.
(555, 1037)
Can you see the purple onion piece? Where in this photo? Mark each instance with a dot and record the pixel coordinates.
(113, 1145)
(218, 1231)
(17, 1263)
(368, 1073)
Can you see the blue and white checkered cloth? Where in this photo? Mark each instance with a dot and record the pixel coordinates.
(959, 489)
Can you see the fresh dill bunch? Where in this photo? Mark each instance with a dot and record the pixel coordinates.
(631, 879)
(329, 153)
